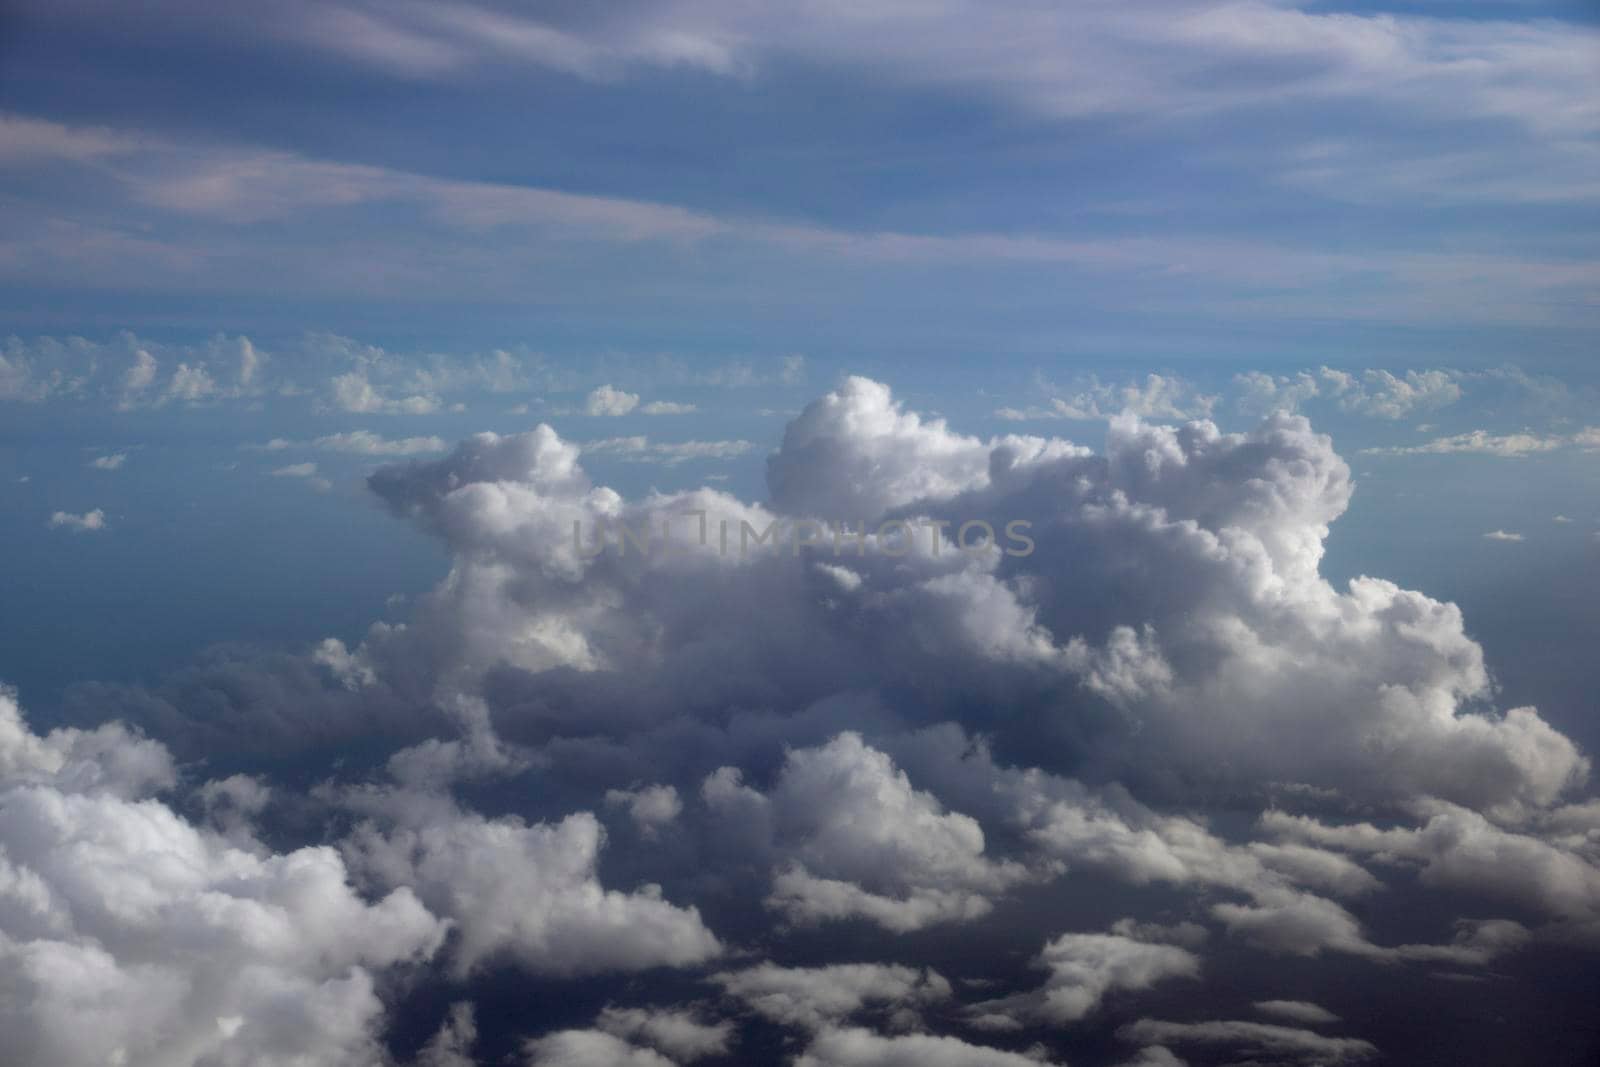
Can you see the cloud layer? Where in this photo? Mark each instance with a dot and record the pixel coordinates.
(738, 768)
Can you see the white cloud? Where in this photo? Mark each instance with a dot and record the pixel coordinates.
(782, 733)
(1383, 395)
(1140, 59)
(816, 997)
(1297, 1011)
(1214, 541)
(367, 443)
(589, 1048)
(129, 935)
(30, 141)
(1502, 535)
(667, 407)
(1154, 1056)
(856, 1047)
(858, 840)
(1297, 1046)
(355, 392)
(678, 1034)
(191, 384)
(641, 449)
(632, 1037)
(308, 471)
(1259, 393)
(650, 807)
(1084, 969)
(856, 453)
(137, 379)
(1157, 397)
(606, 400)
(1480, 442)
(452, 1045)
(109, 462)
(126, 370)
(88, 521)
(526, 891)
(1459, 849)
(357, 443)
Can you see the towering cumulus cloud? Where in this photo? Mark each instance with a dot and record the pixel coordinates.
(1171, 594)
(914, 762)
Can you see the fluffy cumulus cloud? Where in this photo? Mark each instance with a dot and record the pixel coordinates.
(589, 1048)
(129, 934)
(650, 808)
(680, 1034)
(640, 1037)
(1384, 395)
(814, 998)
(1084, 968)
(1260, 393)
(529, 892)
(1550, 874)
(843, 776)
(609, 400)
(853, 1047)
(858, 840)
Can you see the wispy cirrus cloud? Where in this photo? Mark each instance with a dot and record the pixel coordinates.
(640, 449)
(1484, 443)
(224, 192)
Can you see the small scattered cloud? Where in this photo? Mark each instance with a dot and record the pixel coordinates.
(1158, 396)
(1383, 395)
(367, 443)
(191, 384)
(356, 393)
(1299, 1011)
(88, 521)
(110, 462)
(667, 407)
(1260, 393)
(308, 471)
(1265, 1041)
(650, 807)
(607, 400)
(137, 379)
(1502, 535)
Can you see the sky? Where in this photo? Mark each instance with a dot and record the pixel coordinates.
(673, 533)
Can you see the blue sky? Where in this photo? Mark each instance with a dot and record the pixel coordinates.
(320, 320)
(1173, 180)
